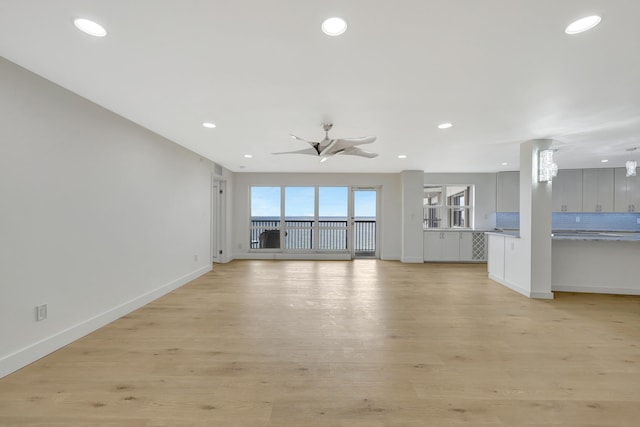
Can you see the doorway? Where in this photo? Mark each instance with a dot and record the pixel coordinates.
(218, 195)
(364, 222)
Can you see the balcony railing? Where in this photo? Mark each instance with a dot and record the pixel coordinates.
(332, 235)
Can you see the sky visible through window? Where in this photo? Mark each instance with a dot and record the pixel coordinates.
(299, 202)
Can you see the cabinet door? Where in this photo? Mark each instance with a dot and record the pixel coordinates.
(496, 256)
(466, 246)
(634, 193)
(558, 197)
(627, 191)
(451, 246)
(590, 190)
(432, 246)
(567, 191)
(621, 196)
(572, 189)
(597, 190)
(508, 192)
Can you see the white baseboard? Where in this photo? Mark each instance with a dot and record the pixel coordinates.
(542, 295)
(595, 289)
(414, 260)
(37, 350)
(520, 290)
(294, 256)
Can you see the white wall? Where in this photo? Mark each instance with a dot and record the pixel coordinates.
(99, 216)
(485, 193)
(389, 220)
(412, 216)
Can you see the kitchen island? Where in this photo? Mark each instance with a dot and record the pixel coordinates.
(595, 262)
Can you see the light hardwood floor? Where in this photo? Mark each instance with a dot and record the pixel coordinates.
(364, 343)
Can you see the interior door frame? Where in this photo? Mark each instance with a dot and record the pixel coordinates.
(218, 218)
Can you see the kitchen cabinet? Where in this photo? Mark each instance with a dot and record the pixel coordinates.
(597, 190)
(466, 246)
(627, 191)
(454, 246)
(441, 246)
(567, 191)
(508, 192)
(495, 265)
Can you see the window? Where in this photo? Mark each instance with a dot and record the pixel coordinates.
(448, 206)
(313, 218)
(265, 217)
(299, 217)
(332, 218)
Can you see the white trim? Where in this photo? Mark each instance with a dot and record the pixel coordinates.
(338, 256)
(542, 295)
(520, 290)
(595, 289)
(35, 351)
(412, 260)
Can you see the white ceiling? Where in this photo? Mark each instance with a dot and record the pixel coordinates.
(503, 71)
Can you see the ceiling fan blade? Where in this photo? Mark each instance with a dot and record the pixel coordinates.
(358, 141)
(355, 151)
(300, 139)
(311, 151)
(342, 144)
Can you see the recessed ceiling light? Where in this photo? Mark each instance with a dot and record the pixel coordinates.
(604, 160)
(248, 156)
(504, 163)
(209, 125)
(334, 26)
(402, 156)
(90, 27)
(583, 24)
(445, 125)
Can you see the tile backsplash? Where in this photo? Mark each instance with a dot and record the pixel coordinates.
(578, 221)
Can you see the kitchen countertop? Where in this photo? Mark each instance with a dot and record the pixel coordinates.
(504, 233)
(621, 236)
(616, 236)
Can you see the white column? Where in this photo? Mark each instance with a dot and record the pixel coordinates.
(412, 230)
(535, 222)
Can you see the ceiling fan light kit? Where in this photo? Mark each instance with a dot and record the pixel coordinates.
(330, 147)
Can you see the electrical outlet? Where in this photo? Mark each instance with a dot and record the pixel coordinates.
(577, 219)
(41, 312)
(195, 258)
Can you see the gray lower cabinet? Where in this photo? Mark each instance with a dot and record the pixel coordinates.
(454, 246)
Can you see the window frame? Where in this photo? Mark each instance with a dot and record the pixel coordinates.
(315, 227)
(445, 211)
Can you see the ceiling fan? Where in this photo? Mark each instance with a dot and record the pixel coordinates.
(331, 147)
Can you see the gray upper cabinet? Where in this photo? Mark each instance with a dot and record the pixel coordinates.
(567, 191)
(508, 192)
(597, 190)
(627, 193)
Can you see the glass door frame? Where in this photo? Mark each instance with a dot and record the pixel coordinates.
(352, 228)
